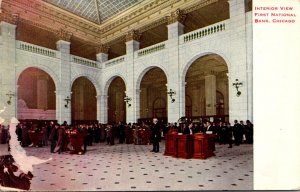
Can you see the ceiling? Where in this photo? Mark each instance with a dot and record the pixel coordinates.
(96, 11)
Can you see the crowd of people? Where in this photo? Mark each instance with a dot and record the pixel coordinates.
(56, 135)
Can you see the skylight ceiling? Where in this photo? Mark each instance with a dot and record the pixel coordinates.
(96, 11)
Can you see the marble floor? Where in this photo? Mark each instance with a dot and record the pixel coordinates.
(128, 167)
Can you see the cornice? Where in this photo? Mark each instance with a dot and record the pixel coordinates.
(9, 18)
(141, 18)
(144, 11)
(198, 5)
(52, 17)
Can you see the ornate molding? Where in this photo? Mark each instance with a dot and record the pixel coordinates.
(175, 16)
(102, 48)
(153, 24)
(9, 18)
(63, 35)
(133, 35)
(199, 5)
(111, 24)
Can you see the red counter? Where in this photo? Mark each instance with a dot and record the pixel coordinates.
(198, 146)
(204, 146)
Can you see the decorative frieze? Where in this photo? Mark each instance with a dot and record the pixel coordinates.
(102, 48)
(199, 5)
(9, 18)
(64, 35)
(175, 16)
(133, 35)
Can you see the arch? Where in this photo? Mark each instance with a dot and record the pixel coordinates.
(93, 81)
(193, 59)
(116, 107)
(84, 102)
(47, 70)
(36, 94)
(108, 82)
(144, 71)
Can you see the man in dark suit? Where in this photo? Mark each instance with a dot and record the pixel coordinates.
(189, 130)
(237, 133)
(155, 135)
(53, 137)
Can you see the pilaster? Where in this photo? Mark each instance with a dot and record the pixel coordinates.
(63, 107)
(132, 45)
(176, 108)
(8, 91)
(102, 108)
(63, 46)
(238, 105)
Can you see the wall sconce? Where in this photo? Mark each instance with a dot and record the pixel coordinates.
(127, 99)
(237, 84)
(10, 95)
(68, 99)
(171, 93)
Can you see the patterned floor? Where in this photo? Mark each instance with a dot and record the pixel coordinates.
(133, 167)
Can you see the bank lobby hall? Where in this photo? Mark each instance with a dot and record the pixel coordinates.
(114, 66)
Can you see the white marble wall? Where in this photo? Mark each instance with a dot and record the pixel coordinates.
(234, 45)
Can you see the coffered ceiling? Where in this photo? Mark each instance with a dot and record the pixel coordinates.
(96, 11)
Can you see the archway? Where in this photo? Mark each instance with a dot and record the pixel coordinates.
(84, 101)
(116, 108)
(36, 95)
(207, 86)
(153, 95)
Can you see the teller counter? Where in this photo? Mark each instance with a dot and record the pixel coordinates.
(198, 146)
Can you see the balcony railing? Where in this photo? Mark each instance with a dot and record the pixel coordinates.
(36, 49)
(151, 49)
(83, 61)
(114, 61)
(203, 32)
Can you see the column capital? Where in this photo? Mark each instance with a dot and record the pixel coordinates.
(133, 35)
(63, 35)
(176, 16)
(102, 48)
(9, 18)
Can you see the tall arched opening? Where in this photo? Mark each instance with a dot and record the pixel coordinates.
(84, 101)
(36, 95)
(153, 95)
(116, 108)
(207, 87)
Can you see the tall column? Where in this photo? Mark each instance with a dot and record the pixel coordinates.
(63, 46)
(176, 108)
(238, 105)
(210, 94)
(102, 108)
(132, 45)
(8, 66)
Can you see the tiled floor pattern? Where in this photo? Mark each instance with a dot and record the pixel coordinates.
(133, 167)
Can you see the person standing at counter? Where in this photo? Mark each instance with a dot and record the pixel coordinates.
(189, 130)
